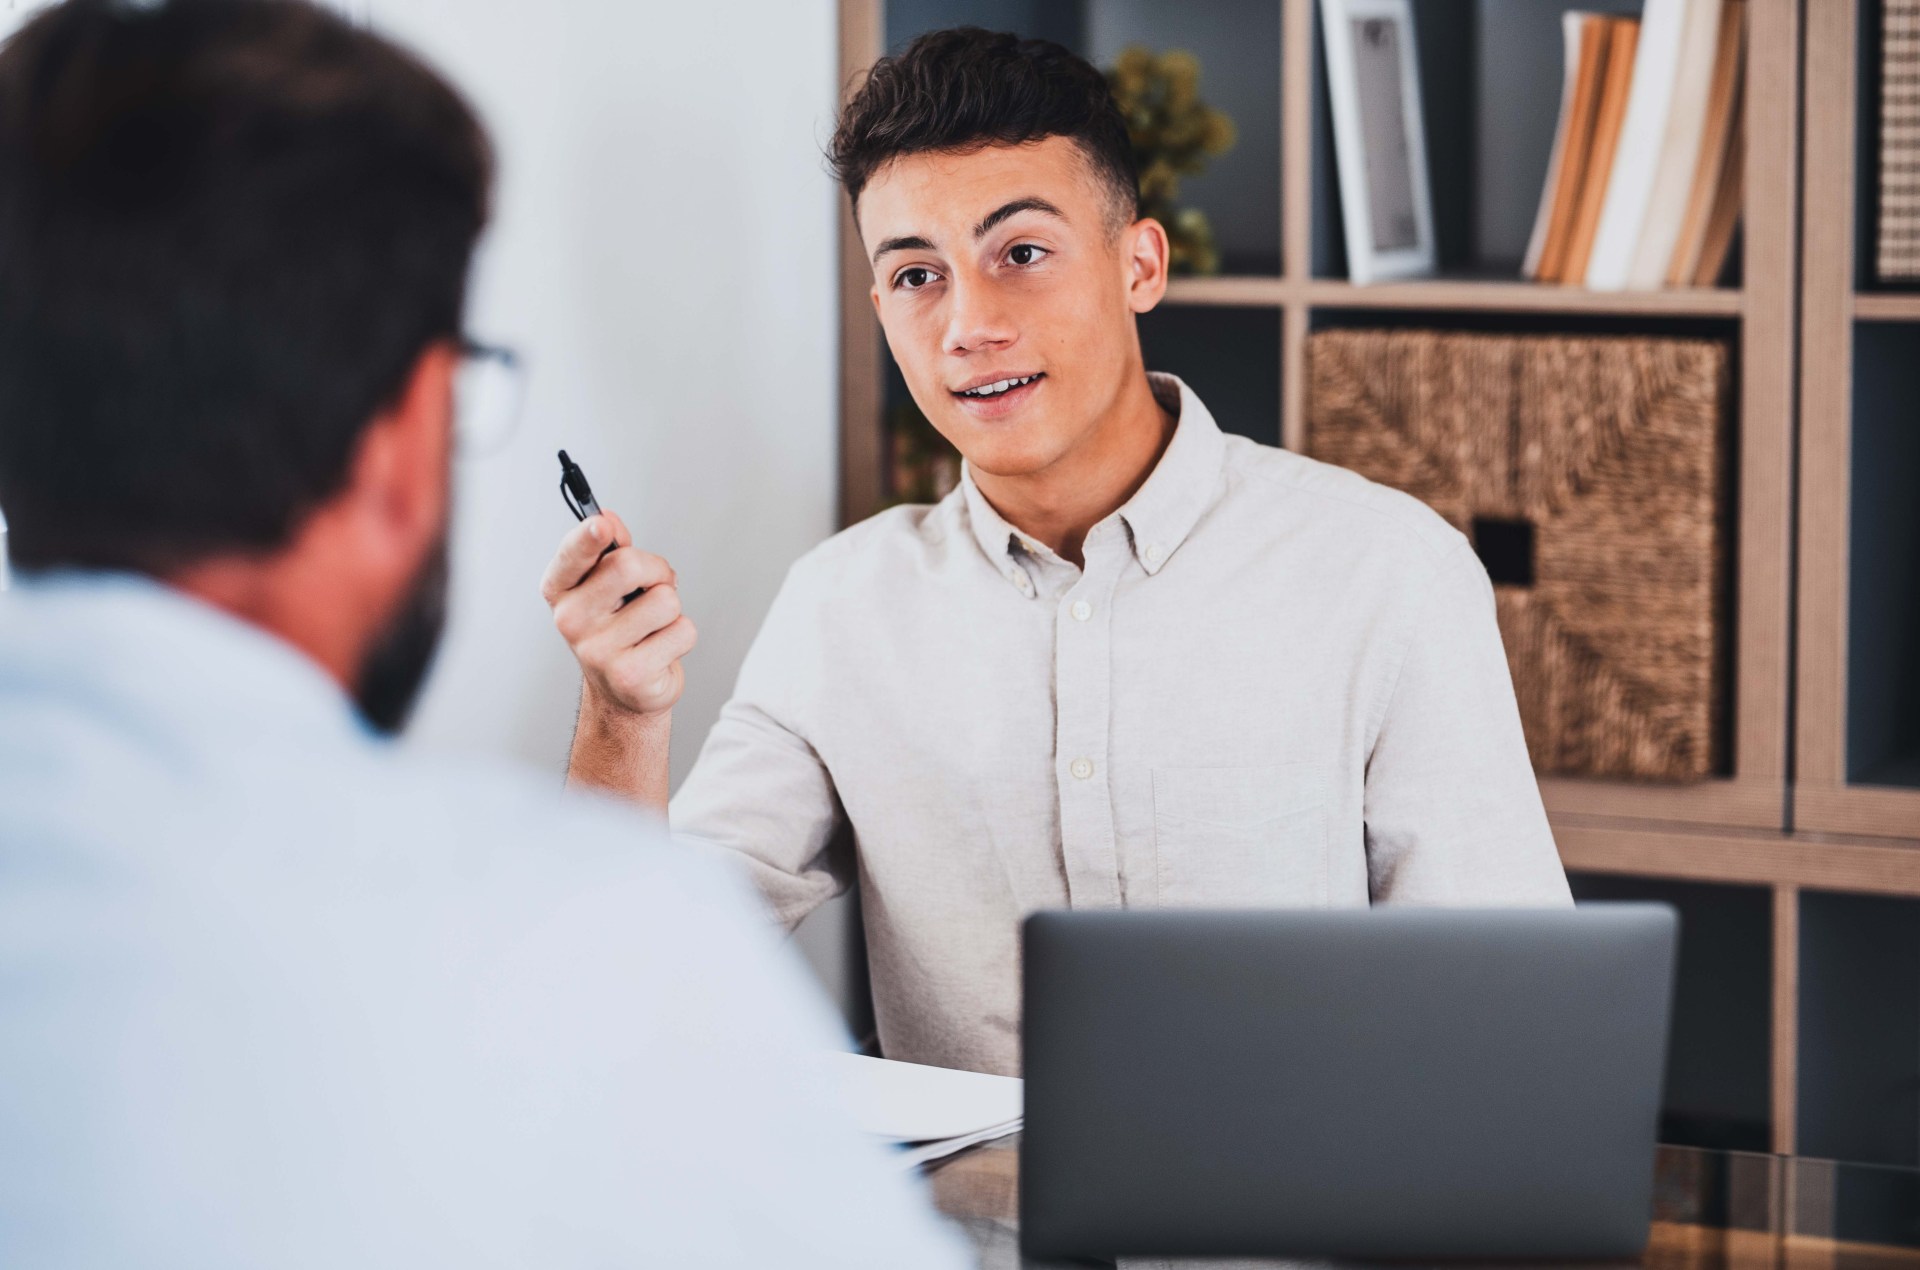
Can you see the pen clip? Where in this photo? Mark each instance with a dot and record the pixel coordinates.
(575, 490)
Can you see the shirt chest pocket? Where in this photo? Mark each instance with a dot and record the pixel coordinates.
(1241, 837)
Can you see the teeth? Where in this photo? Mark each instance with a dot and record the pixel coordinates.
(995, 389)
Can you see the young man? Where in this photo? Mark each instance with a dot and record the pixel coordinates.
(272, 994)
(1130, 661)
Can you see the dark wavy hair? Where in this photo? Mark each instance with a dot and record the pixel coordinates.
(965, 88)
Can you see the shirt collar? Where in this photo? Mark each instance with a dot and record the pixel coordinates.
(126, 638)
(1161, 513)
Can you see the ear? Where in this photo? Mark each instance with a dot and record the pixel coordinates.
(398, 484)
(1144, 249)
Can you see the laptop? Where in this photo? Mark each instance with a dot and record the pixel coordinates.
(1379, 1083)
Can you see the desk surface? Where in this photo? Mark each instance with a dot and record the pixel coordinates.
(1713, 1210)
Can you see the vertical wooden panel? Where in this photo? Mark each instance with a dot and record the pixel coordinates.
(1766, 394)
(1786, 1018)
(1296, 142)
(1293, 376)
(861, 436)
(1826, 343)
(1296, 214)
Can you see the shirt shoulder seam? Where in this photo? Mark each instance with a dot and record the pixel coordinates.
(1439, 547)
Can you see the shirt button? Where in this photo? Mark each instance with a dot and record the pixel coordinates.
(1082, 768)
(1021, 580)
(1082, 610)
(1153, 553)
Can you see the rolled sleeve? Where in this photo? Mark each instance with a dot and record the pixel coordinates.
(1453, 812)
(759, 794)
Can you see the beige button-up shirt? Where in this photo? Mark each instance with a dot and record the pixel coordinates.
(1274, 683)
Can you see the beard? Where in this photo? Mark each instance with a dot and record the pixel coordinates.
(395, 668)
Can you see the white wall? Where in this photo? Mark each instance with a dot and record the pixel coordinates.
(663, 254)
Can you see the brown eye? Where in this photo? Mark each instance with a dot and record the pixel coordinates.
(913, 279)
(1026, 253)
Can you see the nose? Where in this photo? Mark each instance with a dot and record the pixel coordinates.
(977, 320)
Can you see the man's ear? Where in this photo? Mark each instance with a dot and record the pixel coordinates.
(1143, 246)
(401, 471)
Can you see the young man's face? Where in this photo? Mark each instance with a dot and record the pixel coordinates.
(1010, 263)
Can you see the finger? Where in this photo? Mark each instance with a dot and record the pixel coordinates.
(675, 640)
(575, 558)
(624, 538)
(623, 571)
(658, 608)
(647, 672)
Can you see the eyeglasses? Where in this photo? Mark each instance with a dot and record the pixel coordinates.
(489, 390)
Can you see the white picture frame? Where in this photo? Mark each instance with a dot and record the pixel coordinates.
(1379, 138)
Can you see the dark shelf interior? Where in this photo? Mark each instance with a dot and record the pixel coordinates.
(1229, 356)
(1883, 593)
(1238, 45)
(1868, 1205)
(1860, 1028)
(1718, 1065)
(1866, 141)
(1491, 321)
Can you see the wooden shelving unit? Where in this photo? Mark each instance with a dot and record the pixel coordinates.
(1791, 315)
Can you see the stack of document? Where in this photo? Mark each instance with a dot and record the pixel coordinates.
(925, 1113)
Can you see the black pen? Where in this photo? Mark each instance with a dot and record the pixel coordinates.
(575, 490)
(579, 499)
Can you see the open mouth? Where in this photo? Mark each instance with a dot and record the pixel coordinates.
(998, 388)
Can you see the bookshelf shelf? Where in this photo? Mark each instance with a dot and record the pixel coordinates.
(1465, 295)
(1820, 364)
(1524, 297)
(1226, 291)
(1857, 864)
(1887, 306)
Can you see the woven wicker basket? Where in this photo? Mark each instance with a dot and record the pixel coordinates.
(1591, 473)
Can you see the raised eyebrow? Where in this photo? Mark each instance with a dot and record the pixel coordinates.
(1014, 208)
(912, 243)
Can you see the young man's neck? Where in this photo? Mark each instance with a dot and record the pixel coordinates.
(1060, 504)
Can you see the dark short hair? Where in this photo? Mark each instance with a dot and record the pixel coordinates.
(963, 89)
(228, 231)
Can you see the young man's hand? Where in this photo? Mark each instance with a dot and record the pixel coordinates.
(629, 655)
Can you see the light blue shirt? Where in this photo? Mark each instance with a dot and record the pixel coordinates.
(274, 994)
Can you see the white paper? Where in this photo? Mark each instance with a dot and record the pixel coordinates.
(907, 1102)
(912, 1157)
